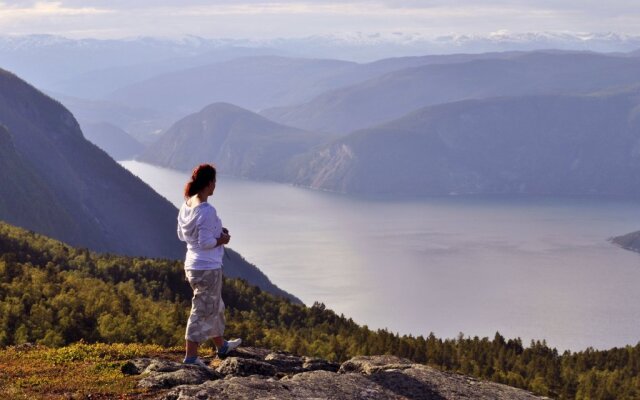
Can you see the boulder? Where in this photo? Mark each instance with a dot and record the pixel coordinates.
(236, 366)
(261, 374)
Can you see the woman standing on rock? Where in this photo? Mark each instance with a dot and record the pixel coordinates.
(200, 227)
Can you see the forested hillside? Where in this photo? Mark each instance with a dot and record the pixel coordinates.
(54, 294)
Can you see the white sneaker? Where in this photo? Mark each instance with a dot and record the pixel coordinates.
(198, 361)
(229, 346)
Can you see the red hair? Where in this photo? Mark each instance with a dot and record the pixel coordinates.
(202, 176)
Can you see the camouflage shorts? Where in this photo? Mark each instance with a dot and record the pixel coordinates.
(207, 308)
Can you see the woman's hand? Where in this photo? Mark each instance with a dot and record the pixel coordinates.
(224, 239)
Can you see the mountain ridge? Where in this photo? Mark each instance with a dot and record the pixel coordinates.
(396, 93)
(85, 182)
(543, 144)
(238, 141)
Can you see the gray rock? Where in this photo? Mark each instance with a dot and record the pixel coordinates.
(318, 364)
(157, 365)
(325, 384)
(372, 378)
(245, 366)
(247, 388)
(255, 353)
(186, 375)
(284, 362)
(445, 385)
(372, 364)
(136, 366)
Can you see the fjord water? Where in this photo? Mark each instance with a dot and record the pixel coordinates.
(535, 268)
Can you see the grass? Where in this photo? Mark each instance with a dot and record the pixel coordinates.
(78, 371)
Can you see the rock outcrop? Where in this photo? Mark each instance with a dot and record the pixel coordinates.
(254, 373)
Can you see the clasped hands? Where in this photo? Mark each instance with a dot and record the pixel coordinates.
(224, 238)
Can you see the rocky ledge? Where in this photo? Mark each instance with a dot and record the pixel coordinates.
(254, 373)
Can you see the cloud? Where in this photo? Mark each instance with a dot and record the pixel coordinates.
(25, 10)
(260, 18)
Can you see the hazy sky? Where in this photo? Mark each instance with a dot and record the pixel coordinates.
(265, 19)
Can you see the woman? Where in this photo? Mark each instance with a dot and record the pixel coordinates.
(200, 227)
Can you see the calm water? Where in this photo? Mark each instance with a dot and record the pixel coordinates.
(534, 268)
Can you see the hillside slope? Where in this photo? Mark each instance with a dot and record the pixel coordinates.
(392, 95)
(556, 145)
(111, 209)
(112, 139)
(250, 82)
(23, 192)
(238, 141)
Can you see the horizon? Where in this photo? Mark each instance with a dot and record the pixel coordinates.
(252, 19)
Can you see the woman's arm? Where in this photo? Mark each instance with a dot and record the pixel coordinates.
(210, 229)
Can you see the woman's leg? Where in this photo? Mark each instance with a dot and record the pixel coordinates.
(191, 349)
(206, 319)
(218, 341)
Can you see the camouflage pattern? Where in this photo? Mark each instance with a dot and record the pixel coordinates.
(207, 308)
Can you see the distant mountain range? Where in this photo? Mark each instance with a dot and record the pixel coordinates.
(262, 82)
(536, 144)
(240, 142)
(253, 83)
(556, 123)
(542, 145)
(93, 67)
(55, 182)
(394, 94)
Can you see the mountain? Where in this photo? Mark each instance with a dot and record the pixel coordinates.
(260, 82)
(236, 266)
(91, 67)
(394, 94)
(100, 82)
(250, 82)
(24, 192)
(57, 183)
(368, 46)
(240, 142)
(545, 144)
(115, 141)
(143, 124)
(104, 206)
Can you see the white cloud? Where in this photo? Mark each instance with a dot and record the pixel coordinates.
(260, 18)
(46, 9)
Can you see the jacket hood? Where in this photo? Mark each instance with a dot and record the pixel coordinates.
(188, 218)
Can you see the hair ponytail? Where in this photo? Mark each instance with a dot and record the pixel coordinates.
(202, 176)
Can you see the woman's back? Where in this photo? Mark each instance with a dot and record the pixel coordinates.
(200, 227)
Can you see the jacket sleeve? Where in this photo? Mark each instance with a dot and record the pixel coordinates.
(180, 235)
(209, 228)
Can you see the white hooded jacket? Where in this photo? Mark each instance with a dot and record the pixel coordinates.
(200, 227)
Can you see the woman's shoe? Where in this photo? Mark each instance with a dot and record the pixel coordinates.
(228, 346)
(197, 361)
